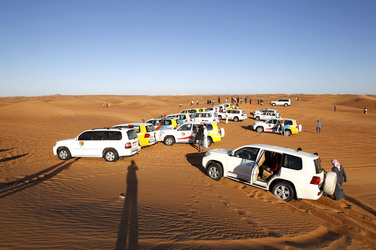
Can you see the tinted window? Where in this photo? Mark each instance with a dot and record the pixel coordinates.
(168, 122)
(136, 128)
(150, 128)
(288, 122)
(131, 134)
(318, 165)
(292, 162)
(209, 126)
(114, 135)
(91, 135)
(247, 153)
(186, 127)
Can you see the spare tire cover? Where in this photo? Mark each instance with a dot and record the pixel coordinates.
(330, 182)
(222, 132)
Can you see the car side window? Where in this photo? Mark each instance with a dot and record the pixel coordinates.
(247, 153)
(91, 136)
(185, 127)
(292, 162)
(114, 135)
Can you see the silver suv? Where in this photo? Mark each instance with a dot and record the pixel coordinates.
(109, 143)
(281, 102)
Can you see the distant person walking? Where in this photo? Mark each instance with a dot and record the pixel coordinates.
(318, 127)
(339, 193)
(365, 111)
(335, 108)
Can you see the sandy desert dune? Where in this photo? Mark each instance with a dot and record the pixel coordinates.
(170, 203)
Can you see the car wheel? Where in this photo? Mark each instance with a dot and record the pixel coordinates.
(236, 119)
(330, 182)
(64, 154)
(285, 105)
(257, 118)
(259, 129)
(273, 104)
(283, 190)
(210, 141)
(111, 155)
(214, 171)
(220, 117)
(169, 140)
(287, 132)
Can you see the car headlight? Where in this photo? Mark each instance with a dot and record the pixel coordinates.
(207, 153)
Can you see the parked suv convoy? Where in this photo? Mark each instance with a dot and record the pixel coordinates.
(287, 173)
(281, 102)
(145, 132)
(186, 133)
(272, 125)
(109, 143)
(233, 115)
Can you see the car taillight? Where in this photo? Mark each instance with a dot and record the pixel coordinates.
(128, 145)
(147, 135)
(315, 180)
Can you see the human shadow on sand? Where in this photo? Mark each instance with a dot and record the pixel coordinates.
(6, 149)
(12, 187)
(13, 157)
(128, 229)
(195, 159)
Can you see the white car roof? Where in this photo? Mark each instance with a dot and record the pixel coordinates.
(284, 150)
(135, 123)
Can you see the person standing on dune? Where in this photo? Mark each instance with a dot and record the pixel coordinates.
(318, 127)
(339, 193)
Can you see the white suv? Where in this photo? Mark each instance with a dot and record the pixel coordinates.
(109, 143)
(205, 117)
(287, 173)
(263, 116)
(233, 115)
(281, 102)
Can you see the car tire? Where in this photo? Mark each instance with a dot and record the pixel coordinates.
(210, 141)
(215, 171)
(330, 182)
(259, 129)
(111, 155)
(283, 190)
(285, 104)
(287, 132)
(273, 104)
(236, 119)
(169, 140)
(64, 154)
(257, 118)
(220, 117)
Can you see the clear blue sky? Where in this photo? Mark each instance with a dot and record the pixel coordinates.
(164, 47)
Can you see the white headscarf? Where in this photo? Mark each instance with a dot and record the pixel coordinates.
(336, 164)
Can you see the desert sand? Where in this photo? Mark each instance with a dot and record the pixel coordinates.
(170, 202)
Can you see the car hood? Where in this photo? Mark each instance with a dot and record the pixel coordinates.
(258, 123)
